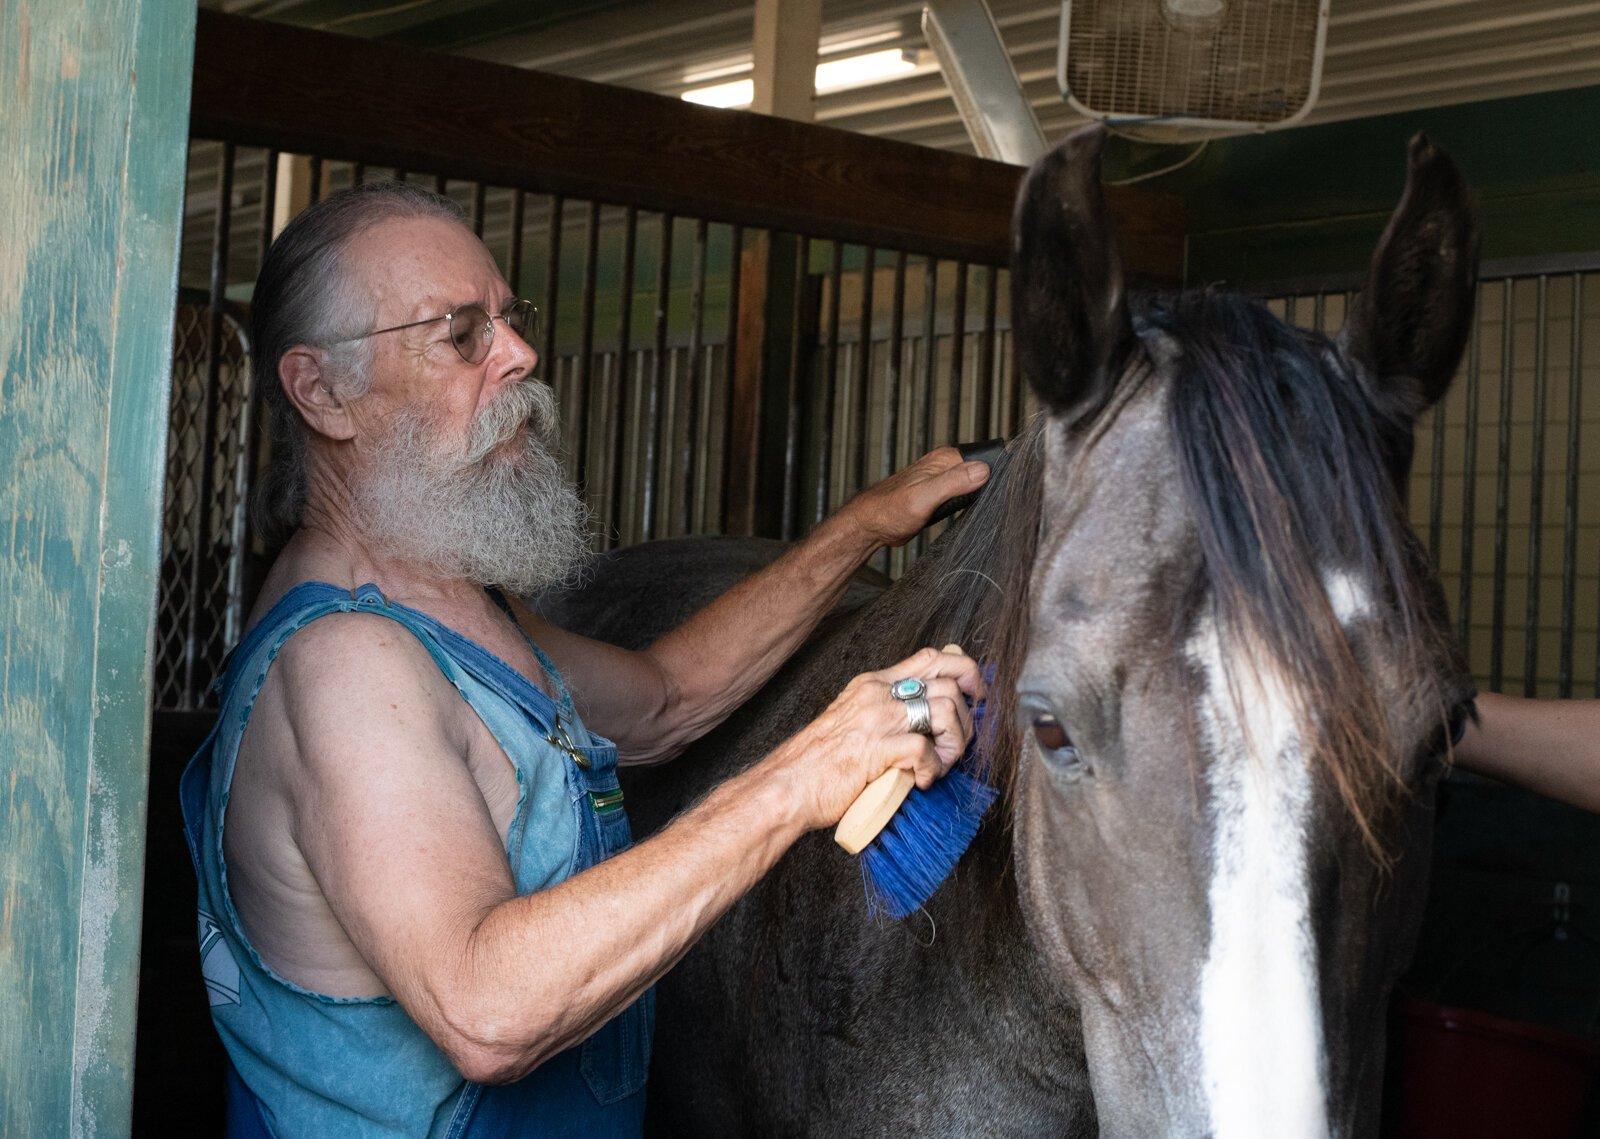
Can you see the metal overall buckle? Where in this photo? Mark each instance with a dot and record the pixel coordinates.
(558, 737)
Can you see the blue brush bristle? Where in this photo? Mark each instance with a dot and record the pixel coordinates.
(904, 865)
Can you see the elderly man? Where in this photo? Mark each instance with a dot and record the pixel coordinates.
(421, 913)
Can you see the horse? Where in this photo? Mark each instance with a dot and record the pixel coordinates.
(1224, 690)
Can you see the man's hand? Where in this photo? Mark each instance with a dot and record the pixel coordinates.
(866, 731)
(892, 512)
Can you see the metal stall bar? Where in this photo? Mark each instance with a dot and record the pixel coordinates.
(983, 426)
(827, 418)
(930, 355)
(1469, 485)
(1502, 492)
(863, 378)
(802, 318)
(958, 352)
(930, 372)
(895, 381)
(1569, 521)
(619, 402)
(655, 443)
(897, 344)
(731, 375)
(1530, 656)
(688, 516)
(583, 391)
(549, 309)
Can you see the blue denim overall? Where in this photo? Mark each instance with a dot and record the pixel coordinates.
(308, 1064)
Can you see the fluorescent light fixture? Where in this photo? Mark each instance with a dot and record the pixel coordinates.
(739, 93)
(857, 70)
(854, 71)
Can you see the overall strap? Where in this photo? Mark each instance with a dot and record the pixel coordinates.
(550, 670)
(298, 608)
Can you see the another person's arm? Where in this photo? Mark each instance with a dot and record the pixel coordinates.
(654, 703)
(1548, 746)
(391, 823)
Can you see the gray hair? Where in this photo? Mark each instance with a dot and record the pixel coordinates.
(303, 295)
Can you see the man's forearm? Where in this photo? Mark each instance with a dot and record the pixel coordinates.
(719, 657)
(580, 952)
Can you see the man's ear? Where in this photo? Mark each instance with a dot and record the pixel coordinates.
(306, 385)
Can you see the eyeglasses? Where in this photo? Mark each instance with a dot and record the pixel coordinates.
(472, 326)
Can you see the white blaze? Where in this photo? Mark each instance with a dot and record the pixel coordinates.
(1347, 595)
(1260, 1013)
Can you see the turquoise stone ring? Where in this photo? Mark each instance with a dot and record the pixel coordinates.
(908, 689)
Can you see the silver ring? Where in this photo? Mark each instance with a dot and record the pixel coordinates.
(919, 714)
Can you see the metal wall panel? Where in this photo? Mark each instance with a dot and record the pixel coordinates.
(1506, 485)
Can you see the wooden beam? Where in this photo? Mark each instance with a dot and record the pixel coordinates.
(263, 84)
(784, 58)
(96, 98)
(293, 191)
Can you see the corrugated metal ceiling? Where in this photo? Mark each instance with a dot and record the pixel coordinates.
(1382, 55)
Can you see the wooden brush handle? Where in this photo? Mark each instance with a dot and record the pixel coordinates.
(873, 809)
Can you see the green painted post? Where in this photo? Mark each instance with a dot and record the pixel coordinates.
(94, 108)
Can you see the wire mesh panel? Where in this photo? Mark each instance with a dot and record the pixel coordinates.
(198, 613)
(1504, 489)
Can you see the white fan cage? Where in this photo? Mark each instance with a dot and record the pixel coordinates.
(1256, 66)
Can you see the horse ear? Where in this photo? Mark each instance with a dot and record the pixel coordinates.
(1069, 312)
(1409, 325)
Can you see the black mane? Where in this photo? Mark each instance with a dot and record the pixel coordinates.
(1290, 471)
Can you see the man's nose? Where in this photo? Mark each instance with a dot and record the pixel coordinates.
(521, 357)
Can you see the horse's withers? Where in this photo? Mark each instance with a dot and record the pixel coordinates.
(1238, 671)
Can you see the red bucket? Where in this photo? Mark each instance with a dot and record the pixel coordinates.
(1468, 1075)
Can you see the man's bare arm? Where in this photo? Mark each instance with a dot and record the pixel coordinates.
(395, 830)
(1548, 746)
(654, 703)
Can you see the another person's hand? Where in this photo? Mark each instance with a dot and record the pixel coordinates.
(866, 731)
(894, 510)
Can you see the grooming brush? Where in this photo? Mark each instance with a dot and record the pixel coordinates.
(909, 840)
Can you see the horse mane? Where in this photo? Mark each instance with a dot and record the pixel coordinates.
(971, 588)
(1289, 469)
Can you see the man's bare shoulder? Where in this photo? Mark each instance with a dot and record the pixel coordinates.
(354, 673)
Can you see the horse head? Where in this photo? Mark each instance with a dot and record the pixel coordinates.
(1239, 683)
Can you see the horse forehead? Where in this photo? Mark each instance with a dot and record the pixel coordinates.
(1114, 522)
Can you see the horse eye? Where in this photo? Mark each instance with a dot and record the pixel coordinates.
(1050, 734)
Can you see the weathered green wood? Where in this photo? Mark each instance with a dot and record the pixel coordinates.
(95, 98)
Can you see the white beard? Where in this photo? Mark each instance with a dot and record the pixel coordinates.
(484, 513)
